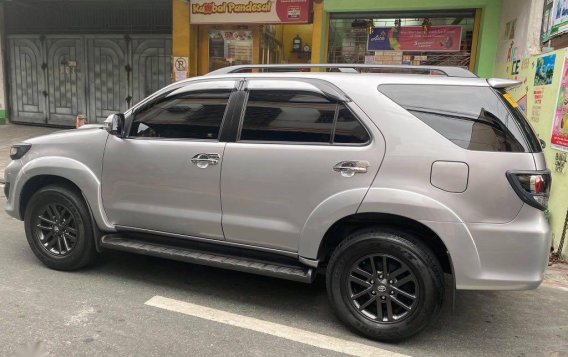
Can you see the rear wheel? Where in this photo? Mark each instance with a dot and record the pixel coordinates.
(59, 229)
(384, 284)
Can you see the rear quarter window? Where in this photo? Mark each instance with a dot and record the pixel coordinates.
(474, 118)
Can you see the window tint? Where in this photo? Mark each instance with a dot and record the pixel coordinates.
(193, 115)
(474, 118)
(288, 116)
(348, 129)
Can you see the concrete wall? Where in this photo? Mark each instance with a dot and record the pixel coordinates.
(519, 32)
(518, 58)
(2, 62)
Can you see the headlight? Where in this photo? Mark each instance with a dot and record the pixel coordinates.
(19, 150)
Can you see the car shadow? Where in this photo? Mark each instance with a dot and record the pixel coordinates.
(520, 323)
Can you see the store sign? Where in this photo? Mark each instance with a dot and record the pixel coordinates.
(249, 11)
(415, 39)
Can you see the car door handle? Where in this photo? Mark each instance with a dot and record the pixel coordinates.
(204, 160)
(350, 168)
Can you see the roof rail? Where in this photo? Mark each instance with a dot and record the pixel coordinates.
(350, 68)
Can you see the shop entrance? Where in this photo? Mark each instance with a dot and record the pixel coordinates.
(227, 45)
(443, 38)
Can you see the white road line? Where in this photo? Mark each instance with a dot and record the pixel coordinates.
(271, 328)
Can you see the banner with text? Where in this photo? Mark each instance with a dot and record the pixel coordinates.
(249, 11)
(415, 39)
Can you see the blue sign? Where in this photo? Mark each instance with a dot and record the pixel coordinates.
(379, 39)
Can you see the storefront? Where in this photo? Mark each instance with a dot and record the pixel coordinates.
(211, 34)
(434, 32)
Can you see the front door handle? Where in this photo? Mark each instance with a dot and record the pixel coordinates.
(350, 168)
(204, 160)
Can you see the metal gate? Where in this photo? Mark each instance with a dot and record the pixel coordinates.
(54, 78)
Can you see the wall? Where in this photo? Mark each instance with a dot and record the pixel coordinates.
(539, 100)
(2, 81)
(520, 29)
(518, 58)
(289, 33)
(490, 16)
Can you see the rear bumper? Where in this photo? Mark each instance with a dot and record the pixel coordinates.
(513, 256)
(510, 256)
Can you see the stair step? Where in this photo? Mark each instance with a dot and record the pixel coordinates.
(127, 244)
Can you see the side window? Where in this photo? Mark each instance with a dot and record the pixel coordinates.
(288, 116)
(190, 115)
(348, 130)
(474, 118)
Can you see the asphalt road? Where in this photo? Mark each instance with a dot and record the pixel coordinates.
(101, 311)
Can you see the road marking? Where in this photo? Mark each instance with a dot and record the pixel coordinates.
(271, 328)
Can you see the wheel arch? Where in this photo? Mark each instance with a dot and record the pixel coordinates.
(349, 224)
(44, 171)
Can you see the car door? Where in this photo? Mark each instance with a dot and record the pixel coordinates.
(164, 176)
(295, 149)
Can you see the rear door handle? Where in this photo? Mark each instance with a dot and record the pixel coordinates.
(204, 160)
(350, 168)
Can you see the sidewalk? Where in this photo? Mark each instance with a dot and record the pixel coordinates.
(11, 134)
(557, 276)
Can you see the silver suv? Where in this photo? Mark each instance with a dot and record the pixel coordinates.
(382, 182)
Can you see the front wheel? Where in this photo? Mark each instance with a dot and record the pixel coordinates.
(59, 229)
(384, 284)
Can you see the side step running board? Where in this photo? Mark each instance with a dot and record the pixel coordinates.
(127, 244)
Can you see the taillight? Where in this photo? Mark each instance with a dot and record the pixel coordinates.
(533, 187)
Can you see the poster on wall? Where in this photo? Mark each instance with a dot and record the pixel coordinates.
(544, 70)
(414, 39)
(546, 20)
(559, 137)
(249, 11)
(559, 17)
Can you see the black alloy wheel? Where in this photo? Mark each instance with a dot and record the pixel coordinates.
(59, 228)
(382, 288)
(56, 229)
(384, 283)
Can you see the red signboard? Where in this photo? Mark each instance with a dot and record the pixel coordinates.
(415, 39)
(249, 11)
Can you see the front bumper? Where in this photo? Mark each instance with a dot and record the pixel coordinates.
(11, 175)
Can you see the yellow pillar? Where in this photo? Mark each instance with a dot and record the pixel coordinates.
(184, 39)
(320, 33)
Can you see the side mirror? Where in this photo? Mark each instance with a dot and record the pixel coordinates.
(114, 124)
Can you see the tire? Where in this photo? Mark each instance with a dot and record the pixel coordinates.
(412, 270)
(65, 239)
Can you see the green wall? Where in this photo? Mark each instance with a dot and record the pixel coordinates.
(541, 116)
(489, 30)
(2, 116)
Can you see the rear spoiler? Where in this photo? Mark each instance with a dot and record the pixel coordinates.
(499, 83)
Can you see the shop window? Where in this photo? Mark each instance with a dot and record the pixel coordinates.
(229, 47)
(448, 45)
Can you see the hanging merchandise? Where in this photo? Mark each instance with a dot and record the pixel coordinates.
(426, 25)
(296, 43)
